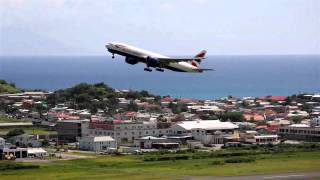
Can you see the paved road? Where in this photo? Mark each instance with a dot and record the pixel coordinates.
(281, 176)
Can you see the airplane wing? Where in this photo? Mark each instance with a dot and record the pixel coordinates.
(169, 60)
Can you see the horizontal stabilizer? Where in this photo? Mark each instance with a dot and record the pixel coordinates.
(207, 69)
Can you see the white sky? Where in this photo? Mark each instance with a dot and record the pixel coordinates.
(172, 27)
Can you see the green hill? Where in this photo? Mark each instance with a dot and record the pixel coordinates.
(7, 87)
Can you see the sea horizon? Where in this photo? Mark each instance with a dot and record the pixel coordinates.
(236, 75)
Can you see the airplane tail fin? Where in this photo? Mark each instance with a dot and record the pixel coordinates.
(201, 54)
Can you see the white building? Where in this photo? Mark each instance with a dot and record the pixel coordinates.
(204, 109)
(254, 138)
(207, 131)
(37, 152)
(97, 143)
(125, 131)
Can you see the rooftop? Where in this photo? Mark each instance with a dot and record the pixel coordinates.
(206, 124)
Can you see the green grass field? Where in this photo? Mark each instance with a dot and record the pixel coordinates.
(5, 119)
(132, 167)
(35, 130)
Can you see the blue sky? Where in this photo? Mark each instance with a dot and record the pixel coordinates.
(172, 27)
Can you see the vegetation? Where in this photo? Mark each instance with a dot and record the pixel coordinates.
(240, 160)
(12, 165)
(132, 167)
(15, 132)
(5, 119)
(297, 119)
(6, 87)
(232, 116)
(86, 96)
(178, 107)
(94, 97)
(33, 130)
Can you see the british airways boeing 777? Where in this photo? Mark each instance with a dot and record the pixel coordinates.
(134, 55)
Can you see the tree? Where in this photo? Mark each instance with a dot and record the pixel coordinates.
(297, 119)
(15, 132)
(232, 116)
(132, 106)
(45, 143)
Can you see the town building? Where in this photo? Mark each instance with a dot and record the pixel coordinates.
(253, 137)
(68, 130)
(25, 140)
(300, 132)
(315, 122)
(124, 131)
(207, 131)
(10, 152)
(97, 143)
(37, 152)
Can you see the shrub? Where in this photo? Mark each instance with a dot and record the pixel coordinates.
(10, 165)
(240, 160)
(15, 132)
(216, 163)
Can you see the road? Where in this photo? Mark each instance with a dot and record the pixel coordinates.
(284, 176)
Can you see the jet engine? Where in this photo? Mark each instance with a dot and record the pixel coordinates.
(152, 62)
(131, 61)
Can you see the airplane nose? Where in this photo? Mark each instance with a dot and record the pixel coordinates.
(109, 45)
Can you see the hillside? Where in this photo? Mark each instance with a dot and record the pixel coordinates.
(6, 87)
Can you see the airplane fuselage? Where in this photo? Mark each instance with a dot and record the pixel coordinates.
(134, 55)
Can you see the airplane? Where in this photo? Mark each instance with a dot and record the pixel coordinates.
(134, 55)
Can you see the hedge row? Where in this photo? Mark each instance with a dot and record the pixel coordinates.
(240, 160)
(166, 158)
(7, 166)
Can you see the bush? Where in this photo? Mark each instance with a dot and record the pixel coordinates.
(165, 157)
(15, 132)
(240, 160)
(10, 165)
(216, 163)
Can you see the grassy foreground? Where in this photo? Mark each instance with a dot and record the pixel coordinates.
(132, 167)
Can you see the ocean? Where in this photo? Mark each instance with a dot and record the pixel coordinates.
(234, 75)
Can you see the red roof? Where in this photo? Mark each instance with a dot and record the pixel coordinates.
(185, 100)
(273, 98)
(278, 98)
(129, 114)
(167, 99)
(117, 121)
(262, 127)
(63, 115)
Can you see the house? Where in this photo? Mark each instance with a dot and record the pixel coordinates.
(253, 117)
(254, 138)
(97, 143)
(25, 140)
